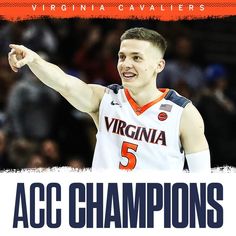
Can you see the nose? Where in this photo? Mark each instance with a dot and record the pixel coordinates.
(127, 63)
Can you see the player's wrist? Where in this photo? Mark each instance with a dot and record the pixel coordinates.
(35, 59)
(199, 161)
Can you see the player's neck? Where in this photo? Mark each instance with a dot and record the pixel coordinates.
(145, 95)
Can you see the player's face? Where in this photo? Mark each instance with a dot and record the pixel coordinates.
(139, 62)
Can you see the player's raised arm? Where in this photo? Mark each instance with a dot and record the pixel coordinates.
(81, 95)
(194, 141)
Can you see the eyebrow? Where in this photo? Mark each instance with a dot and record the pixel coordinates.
(132, 53)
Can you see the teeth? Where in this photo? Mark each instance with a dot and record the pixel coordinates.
(129, 74)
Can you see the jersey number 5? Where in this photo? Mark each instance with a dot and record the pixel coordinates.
(125, 152)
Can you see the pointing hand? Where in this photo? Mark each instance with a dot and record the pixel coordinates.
(20, 56)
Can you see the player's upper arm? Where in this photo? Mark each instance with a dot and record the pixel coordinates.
(84, 97)
(192, 130)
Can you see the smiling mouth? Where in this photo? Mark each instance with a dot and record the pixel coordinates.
(128, 75)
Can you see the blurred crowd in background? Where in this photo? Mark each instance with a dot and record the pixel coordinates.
(39, 128)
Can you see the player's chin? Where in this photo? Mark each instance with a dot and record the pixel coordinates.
(130, 84)
(129, 80)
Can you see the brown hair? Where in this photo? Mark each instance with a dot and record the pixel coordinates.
(151, 36)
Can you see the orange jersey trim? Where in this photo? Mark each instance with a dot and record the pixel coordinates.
(139, 110)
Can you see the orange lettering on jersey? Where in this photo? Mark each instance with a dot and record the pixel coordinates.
(130, 156)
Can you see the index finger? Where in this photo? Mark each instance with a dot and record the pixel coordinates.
(18, 48)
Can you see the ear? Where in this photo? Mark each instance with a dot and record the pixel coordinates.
(161, 65)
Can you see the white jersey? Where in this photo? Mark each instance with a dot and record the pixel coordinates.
(133, 137)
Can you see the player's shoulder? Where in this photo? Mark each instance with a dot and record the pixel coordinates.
(177, 99)
(115, 88)
(191, 117)
(191, 111)
(98, 90)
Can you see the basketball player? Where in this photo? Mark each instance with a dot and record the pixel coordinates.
(139, 126)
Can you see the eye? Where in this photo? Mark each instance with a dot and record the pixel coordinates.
(137, 58)
(121, 57)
